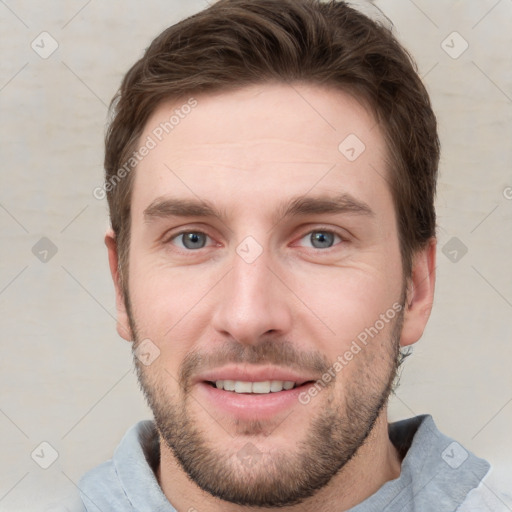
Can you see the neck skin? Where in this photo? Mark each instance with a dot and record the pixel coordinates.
(376, 462)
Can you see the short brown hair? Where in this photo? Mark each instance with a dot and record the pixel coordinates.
(235, 43)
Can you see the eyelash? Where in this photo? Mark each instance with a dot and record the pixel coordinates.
(320, 229)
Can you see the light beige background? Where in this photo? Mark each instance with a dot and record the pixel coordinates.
(65, 376)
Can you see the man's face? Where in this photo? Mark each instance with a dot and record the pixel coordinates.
(302, 262)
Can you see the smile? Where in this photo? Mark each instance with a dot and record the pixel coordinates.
(260, 387)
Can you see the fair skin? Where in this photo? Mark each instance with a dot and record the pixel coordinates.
(247, 153)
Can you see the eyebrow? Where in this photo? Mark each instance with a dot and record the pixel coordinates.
(298, 206)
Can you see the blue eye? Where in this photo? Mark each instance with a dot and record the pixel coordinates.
(191, 239)
(194, 240)
(321, 239)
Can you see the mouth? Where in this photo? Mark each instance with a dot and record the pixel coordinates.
(252, 392)
(257, 387)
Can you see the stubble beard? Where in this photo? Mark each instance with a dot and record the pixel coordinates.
(276, 479)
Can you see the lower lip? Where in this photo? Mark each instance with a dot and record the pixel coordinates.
(251, 406)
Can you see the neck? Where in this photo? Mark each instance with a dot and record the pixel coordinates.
(376, 462)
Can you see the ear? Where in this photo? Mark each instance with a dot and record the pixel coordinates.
(420, 294)
(123, 324)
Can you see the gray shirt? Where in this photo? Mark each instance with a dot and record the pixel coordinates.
(437, 474)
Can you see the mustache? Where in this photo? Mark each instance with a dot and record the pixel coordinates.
(269, 351)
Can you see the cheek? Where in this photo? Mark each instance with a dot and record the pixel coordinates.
(364, 363)
(349, 300)
(167, 302)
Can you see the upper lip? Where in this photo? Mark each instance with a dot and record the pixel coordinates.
(255, 374)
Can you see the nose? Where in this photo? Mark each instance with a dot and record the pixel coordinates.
(252, 302)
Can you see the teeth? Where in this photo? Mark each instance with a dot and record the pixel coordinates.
(243, 387)
(261, 387)
(267, 386)
(229, 385)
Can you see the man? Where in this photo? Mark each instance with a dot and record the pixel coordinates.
(270, 172)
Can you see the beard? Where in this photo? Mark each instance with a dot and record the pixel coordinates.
(246, 476)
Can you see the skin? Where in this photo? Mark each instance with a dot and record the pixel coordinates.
(248, 152)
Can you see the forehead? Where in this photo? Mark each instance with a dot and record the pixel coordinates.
(268, 139)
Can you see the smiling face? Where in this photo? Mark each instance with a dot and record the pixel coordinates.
(264, 258)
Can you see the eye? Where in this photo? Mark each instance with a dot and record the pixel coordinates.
(190, 240)
(321, 239)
